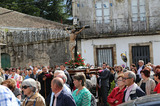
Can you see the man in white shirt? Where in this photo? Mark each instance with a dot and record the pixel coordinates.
(140, 67)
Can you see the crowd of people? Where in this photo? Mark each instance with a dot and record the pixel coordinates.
(46, 86)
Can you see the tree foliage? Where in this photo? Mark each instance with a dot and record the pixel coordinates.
(54, 10)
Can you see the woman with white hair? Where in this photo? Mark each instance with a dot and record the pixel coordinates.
(29, 87)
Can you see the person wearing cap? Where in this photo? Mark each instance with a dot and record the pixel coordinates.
(29, 87)
(140, 67)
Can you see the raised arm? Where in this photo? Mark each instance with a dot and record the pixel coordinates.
(67, 30)
(80, 30)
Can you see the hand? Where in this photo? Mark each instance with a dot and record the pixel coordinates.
(44, 78)
(50, 73)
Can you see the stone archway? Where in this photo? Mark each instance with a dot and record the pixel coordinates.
(5, 60)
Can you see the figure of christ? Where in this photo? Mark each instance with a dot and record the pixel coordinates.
(72, 42)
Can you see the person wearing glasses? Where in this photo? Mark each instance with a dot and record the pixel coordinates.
(29, 87)
(117, 93)
(133, 91)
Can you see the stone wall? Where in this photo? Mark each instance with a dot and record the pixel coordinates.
(38, 47)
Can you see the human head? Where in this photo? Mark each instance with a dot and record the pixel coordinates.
(119, 69)
(129, 78)
(147, 67)
(120, 81)
(62, 67)
(29, 86)
(1, 71)
(157, 68)
(134, 69)
(57, 85)
(6, 70)
(61, 74)
(132, 66)
(145, 73)
(26, 72)
(56, 67)
(140, 63)
(73, 30)
(44, 69)
(104, 65)
(35, 69)
(10, 83)
(17, 71)
(115, 67)
(29, 71)
(157, 75)
(13, 71)
(79, 79)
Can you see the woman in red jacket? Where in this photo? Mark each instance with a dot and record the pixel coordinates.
(117, 93)
(157, 78)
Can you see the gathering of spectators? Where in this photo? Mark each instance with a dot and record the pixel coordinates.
(47, 86)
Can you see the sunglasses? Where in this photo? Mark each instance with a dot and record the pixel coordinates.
(25, 87)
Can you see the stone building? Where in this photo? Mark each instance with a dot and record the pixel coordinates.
(31, 39)
(119, 26)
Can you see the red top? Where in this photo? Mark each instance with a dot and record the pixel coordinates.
(115, 95)
(157, 88)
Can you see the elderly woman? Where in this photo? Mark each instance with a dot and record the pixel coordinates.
(81, 95)
(147, 84)
(116, 95)
(29, 89)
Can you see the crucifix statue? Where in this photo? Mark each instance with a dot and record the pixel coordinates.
(73, 39)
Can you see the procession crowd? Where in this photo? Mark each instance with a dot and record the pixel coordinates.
(47, 86)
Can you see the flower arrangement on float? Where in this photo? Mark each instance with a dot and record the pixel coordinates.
(79, 61)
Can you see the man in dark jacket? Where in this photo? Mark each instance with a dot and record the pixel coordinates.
(61, 97)
(133, 91)
(45, 79)
(104, 83)
(34, 74)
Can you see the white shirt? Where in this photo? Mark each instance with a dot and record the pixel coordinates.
(139, 70)
(15, 76)
(55, 100)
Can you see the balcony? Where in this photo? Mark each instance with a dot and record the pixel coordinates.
(121, 27)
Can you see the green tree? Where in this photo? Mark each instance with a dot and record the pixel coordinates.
(54, 10)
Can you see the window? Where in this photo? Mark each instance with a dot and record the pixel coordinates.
(138, 10)
(102, 11)
(105, 55)
(140, 53)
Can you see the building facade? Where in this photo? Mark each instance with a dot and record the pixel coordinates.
(119, 26)
(31, 40)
